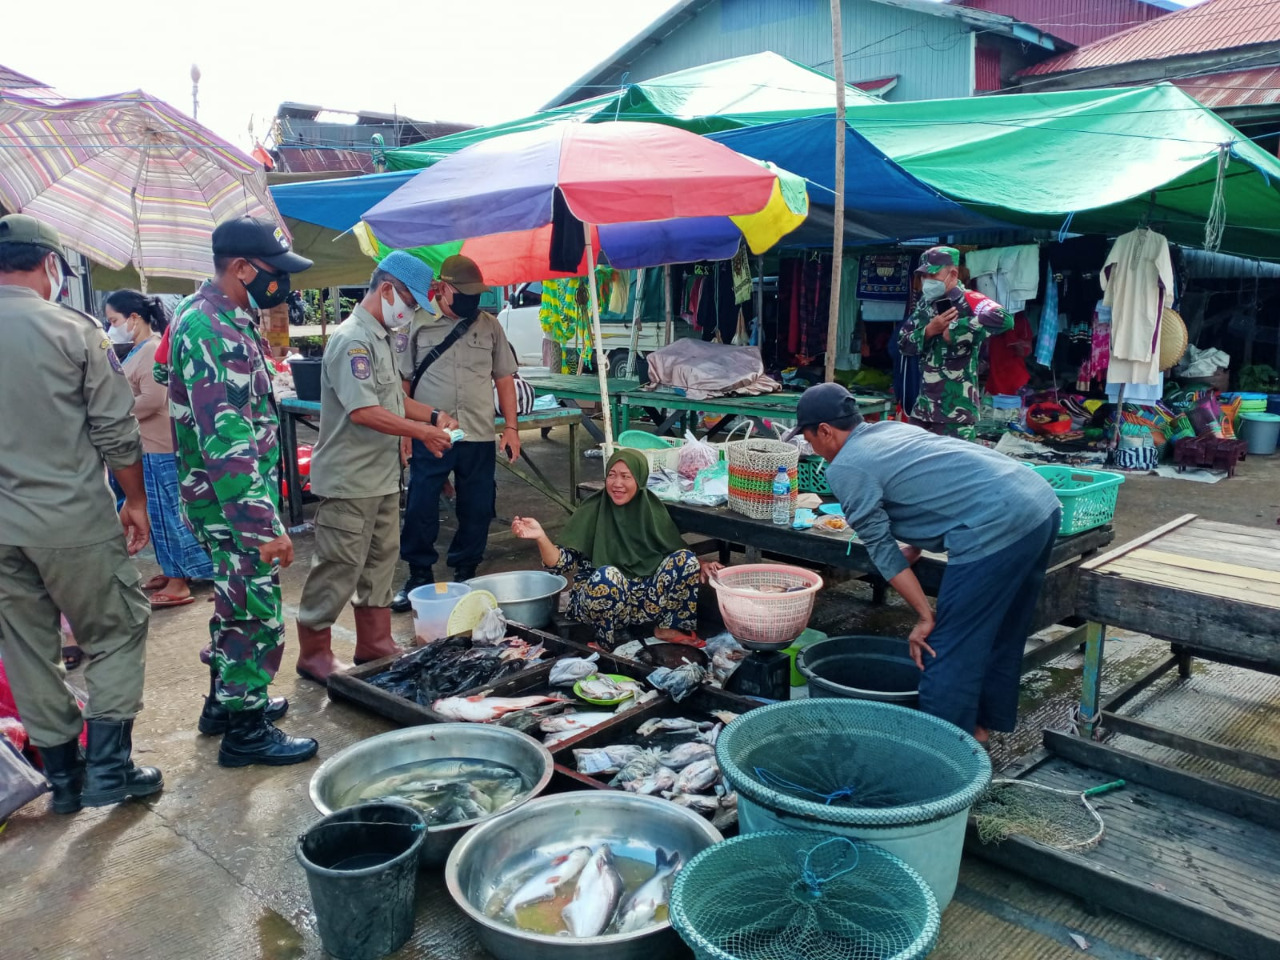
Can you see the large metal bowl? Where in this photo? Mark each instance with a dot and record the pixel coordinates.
(368, 759)
(525, 596)
(508, 846)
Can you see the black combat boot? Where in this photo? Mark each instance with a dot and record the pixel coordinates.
(64, 768)
(214, 717)
(110, 774)
(251, 738)
(463, 574)
(417, 578)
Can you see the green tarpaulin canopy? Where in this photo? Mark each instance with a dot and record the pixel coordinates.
(761, 88)
(1106, 158)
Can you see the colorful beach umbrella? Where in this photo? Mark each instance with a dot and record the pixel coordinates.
(541, 203)
(126, 179)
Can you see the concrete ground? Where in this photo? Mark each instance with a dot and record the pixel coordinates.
(206, 870)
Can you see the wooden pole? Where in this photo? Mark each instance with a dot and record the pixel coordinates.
(837, 248)
(602, 362)
(668, 312)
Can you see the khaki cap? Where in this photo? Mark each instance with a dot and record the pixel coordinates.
(462, 274)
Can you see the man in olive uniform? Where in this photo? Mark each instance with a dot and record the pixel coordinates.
(68, 418)
(355, 467)
(949, 344)
(226, 429)
(466, 356)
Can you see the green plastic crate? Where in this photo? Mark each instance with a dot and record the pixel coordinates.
(1088, 497)
(812, 476)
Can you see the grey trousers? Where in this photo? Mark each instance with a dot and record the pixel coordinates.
(96, 587)
(357, 546)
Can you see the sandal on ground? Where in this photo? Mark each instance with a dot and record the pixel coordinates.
(156, 582)
(72, 656)
(159, 600)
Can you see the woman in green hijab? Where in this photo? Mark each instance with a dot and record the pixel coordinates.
(624, 557)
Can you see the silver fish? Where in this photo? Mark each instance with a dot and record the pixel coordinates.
(484, 709)
(710, 736)
(638, 910)
(595, 898)
(724, 716)
(671, 725)
(642, 766)
(687, 753)
(603, 688)
(661, 779)
(544, 884)
(697, 777)
(575, 722)
(698, 802)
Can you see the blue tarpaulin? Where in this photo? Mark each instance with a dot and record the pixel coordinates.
(337, 204)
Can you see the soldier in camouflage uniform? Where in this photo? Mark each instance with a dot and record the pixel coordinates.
(949, 344)
(226, 429)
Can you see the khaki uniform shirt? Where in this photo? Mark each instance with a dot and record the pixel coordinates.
(359, 370)
(461, 381)
(67, 413)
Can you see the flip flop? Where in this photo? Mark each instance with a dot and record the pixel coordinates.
(156, 582)
(159, 600)
(71, 656)
(685, 639)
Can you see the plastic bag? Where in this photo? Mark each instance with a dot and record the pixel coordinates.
(20, 783)
(572, 669)
(491, 630)
(711, 489)
(665, 485)
(695, 456)
(679, 682)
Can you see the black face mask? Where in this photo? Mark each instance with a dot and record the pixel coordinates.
(465, 305)
(267, 289)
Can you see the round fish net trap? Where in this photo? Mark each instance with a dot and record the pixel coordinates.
(794, 896)
(853, 762)
(1065, 819)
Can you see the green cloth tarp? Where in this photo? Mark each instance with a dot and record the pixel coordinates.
(1096, 156)
(761, 88)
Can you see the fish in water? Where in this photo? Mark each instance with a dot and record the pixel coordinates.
(596, 897)
(698, 802)
(658, 781)
(448, 790)
(639, 909)
(485, 709)
(544, 884)
(697, 777)
(680, 757)
(670, 725)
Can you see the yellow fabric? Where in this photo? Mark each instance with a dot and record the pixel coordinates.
(764, 229)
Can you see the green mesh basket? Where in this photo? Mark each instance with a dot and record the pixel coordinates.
(812, 476)
(1088, 497)
(795, 896)
(852, 763)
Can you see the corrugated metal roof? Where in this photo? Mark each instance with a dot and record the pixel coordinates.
(1205, 28)
(1076, 21)
(1235, 88)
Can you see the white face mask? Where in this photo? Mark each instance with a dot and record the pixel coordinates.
(119, 334)
(933, 289)
(397, 314)
(56, 280)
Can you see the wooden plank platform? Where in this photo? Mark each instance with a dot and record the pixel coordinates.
(1172, 855)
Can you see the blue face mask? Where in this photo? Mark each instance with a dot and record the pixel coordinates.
(933, 289)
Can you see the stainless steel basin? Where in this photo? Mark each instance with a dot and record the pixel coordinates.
(365, 761)
(510, 845)
(525, 596)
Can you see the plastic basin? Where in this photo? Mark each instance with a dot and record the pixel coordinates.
(862, 668)
(1261, 432)
(432, 604)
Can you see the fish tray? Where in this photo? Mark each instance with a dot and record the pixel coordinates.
(353, 685)
(697, 706)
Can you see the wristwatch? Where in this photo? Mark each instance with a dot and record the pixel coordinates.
(435, 418)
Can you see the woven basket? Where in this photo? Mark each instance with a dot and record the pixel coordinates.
(753, 465)
(1173, 339)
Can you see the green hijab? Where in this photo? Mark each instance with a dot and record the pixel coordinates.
(635, 537)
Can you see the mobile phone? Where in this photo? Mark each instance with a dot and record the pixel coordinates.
(943, 304)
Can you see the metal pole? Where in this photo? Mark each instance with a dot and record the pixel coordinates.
(602, 362)
(668, 311)
(636, 311)
(837, 249)
(760, 302)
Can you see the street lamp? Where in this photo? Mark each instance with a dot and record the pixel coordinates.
(195, 92)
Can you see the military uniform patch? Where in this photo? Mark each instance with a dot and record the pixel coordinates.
(361, 369)
(402, 342)
(112, 357)
(357, 352)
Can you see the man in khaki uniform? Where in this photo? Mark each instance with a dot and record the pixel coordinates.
(355, 467)
(68, 418)
(462, 376)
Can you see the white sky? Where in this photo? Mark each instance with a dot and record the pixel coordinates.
(473, 61)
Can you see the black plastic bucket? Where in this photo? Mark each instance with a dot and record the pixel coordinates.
(862, 668)
(362, 868)
(306, 378)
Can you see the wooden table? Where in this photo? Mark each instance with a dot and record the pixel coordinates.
(577, 390)
(667, 408)
(293, 410)
(1212, 590)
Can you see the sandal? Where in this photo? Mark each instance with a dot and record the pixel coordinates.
(72, 656)
(156, 582)
(159, 600)
(685, 639)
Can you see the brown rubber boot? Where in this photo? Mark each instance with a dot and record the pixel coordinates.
(373, 634)
(315, 654)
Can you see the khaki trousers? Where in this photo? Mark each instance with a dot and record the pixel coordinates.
(357, 545)
(96, 587)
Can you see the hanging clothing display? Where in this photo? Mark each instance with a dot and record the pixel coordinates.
(886, 310)
(1008, 275)
(741, 268)
(1094, 368)
(804, 298)
(1006, 357)
(884, 276)
(847, 358)
(1047, 339)
(1137, 280)
(565, 311)
(1077, 265)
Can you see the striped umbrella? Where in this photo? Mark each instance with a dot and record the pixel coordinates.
(126, 180)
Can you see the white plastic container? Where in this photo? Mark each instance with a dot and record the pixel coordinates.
(432, 605)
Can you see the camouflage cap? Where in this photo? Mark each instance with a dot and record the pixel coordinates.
(935, 258)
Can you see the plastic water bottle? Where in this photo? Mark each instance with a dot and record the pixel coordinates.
(782, 498)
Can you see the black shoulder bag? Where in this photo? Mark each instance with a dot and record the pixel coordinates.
(440, 349)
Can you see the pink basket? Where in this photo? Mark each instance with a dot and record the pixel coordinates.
(761, 618)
